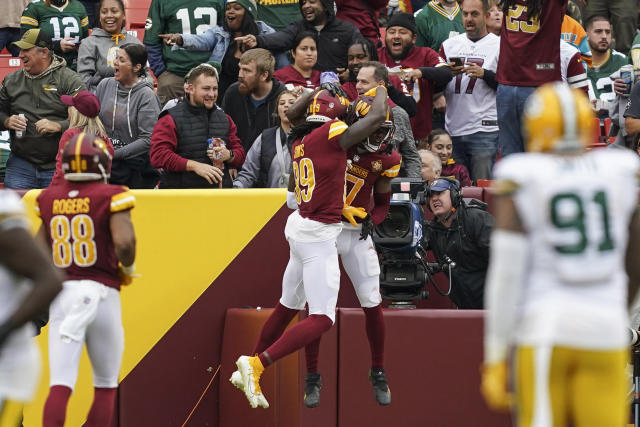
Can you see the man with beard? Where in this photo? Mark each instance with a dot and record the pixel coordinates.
(334, 35)
(400, 52)
(179, 139)
(251, 101)
(605, 61)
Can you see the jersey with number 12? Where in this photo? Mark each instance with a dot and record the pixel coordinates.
(76, 218)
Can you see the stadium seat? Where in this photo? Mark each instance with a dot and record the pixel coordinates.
(136, 17)
(138, 33)
(473, 192)
(9, 64)
(483, 183)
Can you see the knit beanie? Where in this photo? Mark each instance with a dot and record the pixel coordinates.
(402, 19)
(249, 5)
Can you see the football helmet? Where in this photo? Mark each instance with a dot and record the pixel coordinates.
(379, 139)
(325, 107)
(86, 158)
(558, 118)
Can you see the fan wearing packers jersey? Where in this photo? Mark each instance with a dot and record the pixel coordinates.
(28, 284)
(87, 224)
(567, 227)
(370, 167)
(319, 162)
(65, 20)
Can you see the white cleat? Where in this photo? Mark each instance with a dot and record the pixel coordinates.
(250, 370)
(236, 380)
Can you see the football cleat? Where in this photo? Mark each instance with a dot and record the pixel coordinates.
(380, 386)
(250, 369)
(236, 380)
(312, 386)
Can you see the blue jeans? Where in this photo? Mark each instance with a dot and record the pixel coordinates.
(477, 152)
(21, 174)
(510, 104)
(7, 37)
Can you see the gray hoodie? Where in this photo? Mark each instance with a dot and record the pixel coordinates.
(128, 115)
(97, 53)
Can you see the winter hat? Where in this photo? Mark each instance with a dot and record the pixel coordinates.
(402, 19)
(249, 5)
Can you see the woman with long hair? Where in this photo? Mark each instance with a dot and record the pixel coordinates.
(130, 110)
(305, 57)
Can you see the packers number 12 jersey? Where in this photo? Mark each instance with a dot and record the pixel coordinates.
(576, 212)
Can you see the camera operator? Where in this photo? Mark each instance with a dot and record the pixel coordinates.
(459, 238)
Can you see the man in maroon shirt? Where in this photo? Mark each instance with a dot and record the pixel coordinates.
(529, 57)
(364, 15)
(400, 52)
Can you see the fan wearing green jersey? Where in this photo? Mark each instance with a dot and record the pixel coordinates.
(65, 20)
(182, 17)
(438, 21)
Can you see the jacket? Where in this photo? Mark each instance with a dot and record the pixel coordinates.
(334, 39)
(251, 121)
(128, 115)
(363, 14)
(466, 243)
(38, 97)
(261, 169)
(97, 53)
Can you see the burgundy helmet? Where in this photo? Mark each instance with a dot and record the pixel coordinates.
(325, 107)
(86, 158)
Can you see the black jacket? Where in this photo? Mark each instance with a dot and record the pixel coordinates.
(251, 121)
(333, 40)
(466, 243)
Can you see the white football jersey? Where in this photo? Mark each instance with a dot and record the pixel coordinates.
(471, 103)
(576, 212)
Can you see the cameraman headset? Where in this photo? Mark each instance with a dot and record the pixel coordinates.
(460, 234)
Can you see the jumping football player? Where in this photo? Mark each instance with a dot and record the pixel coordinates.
(87, 224)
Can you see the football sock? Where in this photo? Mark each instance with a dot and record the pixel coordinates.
(104, 400)
(274, 327)
(311, 352)
(55, 408)
(374, 323)
(296, 337)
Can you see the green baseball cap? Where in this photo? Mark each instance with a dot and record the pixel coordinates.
(34, 38)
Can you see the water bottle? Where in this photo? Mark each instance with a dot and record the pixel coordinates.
(19, 133)
(217, 157)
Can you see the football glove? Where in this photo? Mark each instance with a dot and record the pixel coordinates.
(350, 212)
(126, 274)
(367, 227)
(494, 386)
(334, 89)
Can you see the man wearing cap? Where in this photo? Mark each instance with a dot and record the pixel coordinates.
(30, 108)
(459, 238)
(422, 64)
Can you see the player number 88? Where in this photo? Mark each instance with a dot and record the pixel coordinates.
(73, 241)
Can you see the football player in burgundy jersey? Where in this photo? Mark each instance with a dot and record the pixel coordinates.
(319, 162)
(88, 225)
(370, 167)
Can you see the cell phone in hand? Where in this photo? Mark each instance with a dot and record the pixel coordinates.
(457, 61)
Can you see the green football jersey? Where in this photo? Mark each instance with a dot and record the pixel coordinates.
(184, 17)
(278, 13)
(435, 25)
(69, 21)
(600, 85)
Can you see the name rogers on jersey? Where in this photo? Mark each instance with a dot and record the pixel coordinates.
(71, 206)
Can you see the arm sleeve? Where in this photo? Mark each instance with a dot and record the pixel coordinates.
(200, 42)
(29, 19)
(163, 146)
(147, 117)
(251, 166)
(406, 146)
(235, 145)
(632, 110)
(440, 75)
(280, 40)
(407, 103)
(151, 39)
(5, 104)
(156, 60)
(423, 39)
(71, 83)
(490, 79)
(381, 207)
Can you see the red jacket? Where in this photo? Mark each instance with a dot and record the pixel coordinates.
(363, 17)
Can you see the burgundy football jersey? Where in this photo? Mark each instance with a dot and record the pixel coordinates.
(422, 92)
(318, 166)
(363, 170)
(289, 74)
(529, 49)
(76, 218)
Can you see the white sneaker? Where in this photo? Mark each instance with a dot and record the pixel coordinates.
(236, 380)
(250, 369)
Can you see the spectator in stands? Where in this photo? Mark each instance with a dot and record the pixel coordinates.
(334, 35)
(634, 54)
(83, 109)
(364, 15)
(65, 20)
(494, 22)
(239, 20)
(371, 75)
(572, 32)
(605, 61)
(363, 51)
(10, 24)
(251, 102)
(440, 143)
(34, 93)
(170, 66)
(471, 118)
(279, 14)
(622, 13)
(129, 112)
(573, 67)
(529, 57)
(431, 166)
(401, 53)
(438, 21)
(90, 6)
(179, 139)
(305, 57)
(98, 51)
(459, 234)
(268, 162)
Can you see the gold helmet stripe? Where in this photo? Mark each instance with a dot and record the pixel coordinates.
(78, 147)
